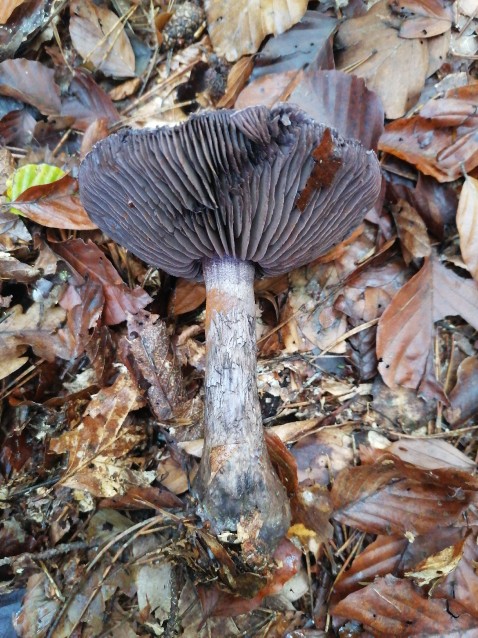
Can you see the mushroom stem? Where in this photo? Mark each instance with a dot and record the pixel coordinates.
(236, 484)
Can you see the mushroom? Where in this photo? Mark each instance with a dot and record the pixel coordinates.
(227, 196)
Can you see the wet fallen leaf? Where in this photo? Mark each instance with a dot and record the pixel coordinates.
(30, 82)
(395, 607)
(99, 37)
(23, 25)
(56, 205)
(405, 330)
(443, 140)
(393, 67)
(393, 497)
(343, 101)
(467, 222)
(88, 259)
(87, 102)
(237, 27)
(378, 559)
(17, 128)
(436, 203)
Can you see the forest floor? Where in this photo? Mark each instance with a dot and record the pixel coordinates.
(368, 357)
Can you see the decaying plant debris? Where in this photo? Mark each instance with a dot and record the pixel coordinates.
(367, 369)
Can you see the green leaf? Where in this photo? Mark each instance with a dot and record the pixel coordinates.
(31, 175)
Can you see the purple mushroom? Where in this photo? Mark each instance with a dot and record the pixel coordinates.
(225, 197)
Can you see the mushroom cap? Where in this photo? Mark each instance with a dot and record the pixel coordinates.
(270, 186)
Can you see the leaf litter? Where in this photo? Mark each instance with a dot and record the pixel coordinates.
(368, 367)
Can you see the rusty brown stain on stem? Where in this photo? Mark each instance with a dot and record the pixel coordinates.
(217, 302)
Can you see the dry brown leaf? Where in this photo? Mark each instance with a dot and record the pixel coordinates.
(95, 132)
(7, 8)
(438, 565)
(412, 232)
(422, 18)
(238, 27)
(11, 268)
(125, 89)
(395, 607)
(99, 37)
(140, 497)
(30, 82)
(38, 608)
(37, 327)
(153, 582)
(95, 448)
(467, 222)
(83, 314)
(461, 585)
(431, 454)
(269, 89)
(88, 260)
(148, 354)
(393, 67)
(236, 80)
(17, 128)
(55, 205)
(405, 330)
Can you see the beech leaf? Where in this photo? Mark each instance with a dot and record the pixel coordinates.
(55, 205)
(395, 607)
(467, 222)
(99, 37)
(238, 27)
(442, 140)
(30, 82)
(393, 497)
(393, 67)
(405, 330)
(88, 260)
(412, 232)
